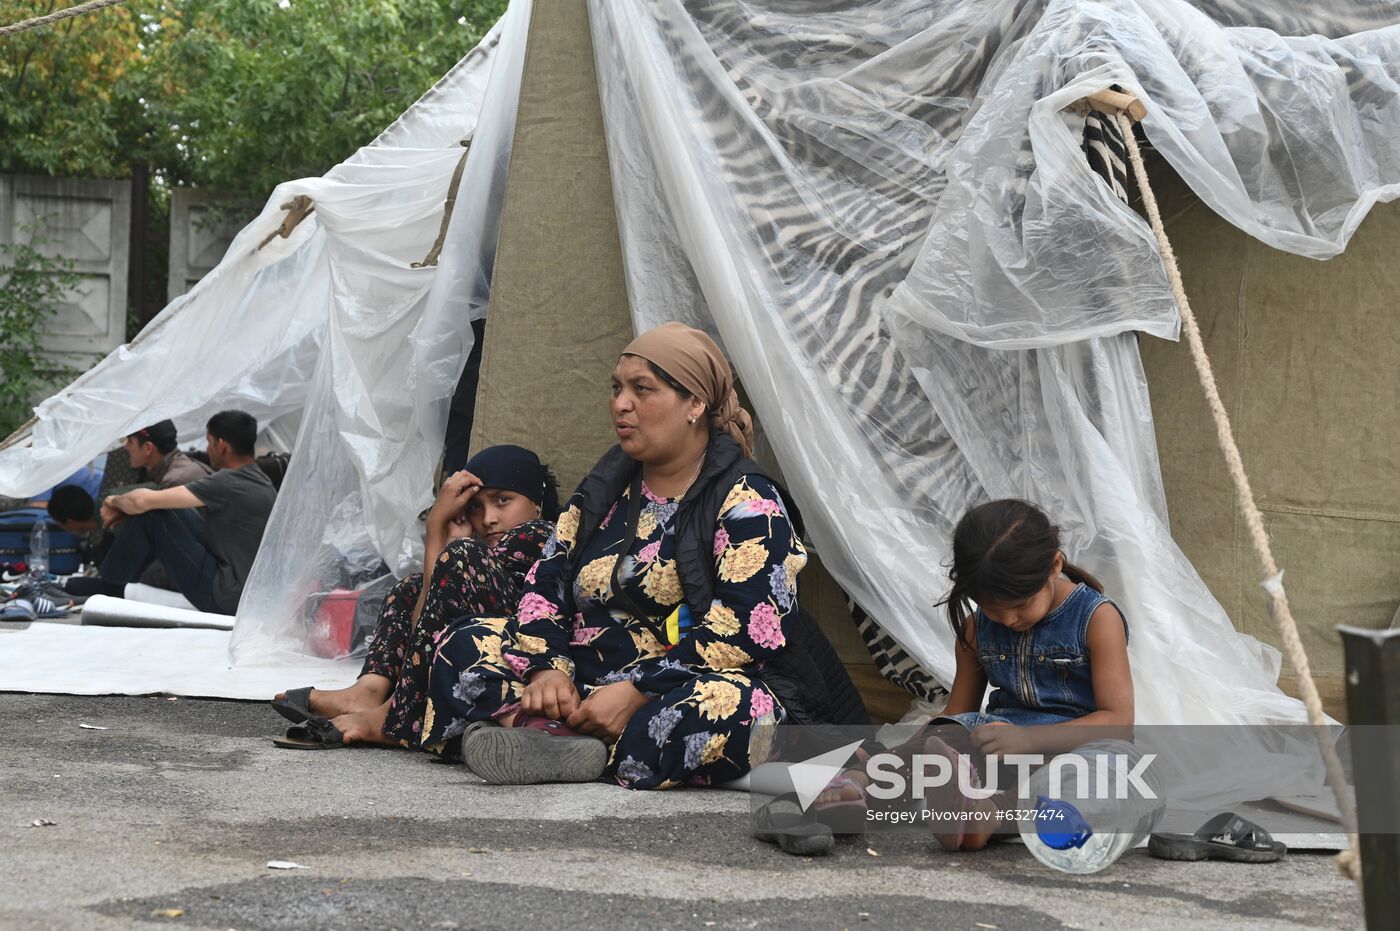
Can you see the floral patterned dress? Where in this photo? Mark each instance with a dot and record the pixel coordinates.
(705, 685)
(469, 579)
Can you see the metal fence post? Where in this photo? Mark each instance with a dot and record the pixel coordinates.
(1373, 698)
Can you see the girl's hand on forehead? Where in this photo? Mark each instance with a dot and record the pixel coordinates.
(452, 498)
(460, 484)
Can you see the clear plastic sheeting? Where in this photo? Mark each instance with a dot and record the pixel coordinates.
(250, 333)
(333, 331)
(885, 214)
(397, 338)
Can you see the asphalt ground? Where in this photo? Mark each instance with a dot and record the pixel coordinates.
(170, 816)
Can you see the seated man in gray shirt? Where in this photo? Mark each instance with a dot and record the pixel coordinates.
(153, 450)
(206, 534)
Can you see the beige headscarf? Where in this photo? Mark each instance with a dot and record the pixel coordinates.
(692, 358)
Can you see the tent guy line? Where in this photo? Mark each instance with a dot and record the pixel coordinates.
(1128, 111)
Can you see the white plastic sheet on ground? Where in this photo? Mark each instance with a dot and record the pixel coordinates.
(885, 210)
(71, 660)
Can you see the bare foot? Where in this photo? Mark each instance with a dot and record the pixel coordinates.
(365, 727)
(972, 820)
(368, 692)
(847, 789)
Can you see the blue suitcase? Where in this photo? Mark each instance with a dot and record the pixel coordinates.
(15, 527)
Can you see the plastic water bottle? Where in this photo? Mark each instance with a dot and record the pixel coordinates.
(1085, 808)
(39, 550)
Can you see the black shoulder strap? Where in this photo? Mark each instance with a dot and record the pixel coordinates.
(634, 516)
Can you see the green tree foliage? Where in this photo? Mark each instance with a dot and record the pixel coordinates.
(232, 95)
(237, 95)
(32, 287)
(67, 93)
(268, 92)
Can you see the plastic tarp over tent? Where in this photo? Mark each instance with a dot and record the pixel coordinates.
(883, 211)
(396, 344)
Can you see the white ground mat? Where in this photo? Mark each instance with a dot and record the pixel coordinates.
(70, 660)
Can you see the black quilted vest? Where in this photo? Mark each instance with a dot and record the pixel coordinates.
(807, 674)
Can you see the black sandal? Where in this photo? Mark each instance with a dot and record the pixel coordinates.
(783, 822)
(314, 734)
(296, 707)
(1227, 836)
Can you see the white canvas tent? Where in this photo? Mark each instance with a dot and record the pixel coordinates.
(883, 213)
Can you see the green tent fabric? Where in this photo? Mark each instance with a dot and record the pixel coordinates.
(1305, 353)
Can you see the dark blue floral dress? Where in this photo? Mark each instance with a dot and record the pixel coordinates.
(704, 682)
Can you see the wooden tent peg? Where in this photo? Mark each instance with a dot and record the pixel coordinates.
(298, 209)
(1114, 102)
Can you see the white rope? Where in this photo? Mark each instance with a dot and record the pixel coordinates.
(38, 21)
(1348, 860)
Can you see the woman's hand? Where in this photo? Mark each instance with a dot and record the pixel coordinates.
(605, 712)
(551, 694)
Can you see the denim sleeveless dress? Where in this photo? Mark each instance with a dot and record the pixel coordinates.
(1040, 676)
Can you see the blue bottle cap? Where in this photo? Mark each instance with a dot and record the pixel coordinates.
(1059, 825)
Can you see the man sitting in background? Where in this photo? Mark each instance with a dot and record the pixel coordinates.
(206, 534)
(160, 464)
(73, 509)
(153, 450)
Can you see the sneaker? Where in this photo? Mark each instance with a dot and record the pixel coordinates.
(55, 592)
(41, 603)
(533, 750)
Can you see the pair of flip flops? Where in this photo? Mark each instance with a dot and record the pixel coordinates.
(309, 731)
(1227, 836)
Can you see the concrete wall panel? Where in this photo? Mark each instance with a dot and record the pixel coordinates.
(199, 237)
(87, 222)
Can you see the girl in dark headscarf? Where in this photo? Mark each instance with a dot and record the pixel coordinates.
(606, 670)
(485, 530)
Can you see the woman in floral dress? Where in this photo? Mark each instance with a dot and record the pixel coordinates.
(485, 530)
(601, 670)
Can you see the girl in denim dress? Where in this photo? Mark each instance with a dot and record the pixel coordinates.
(1042, 635)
